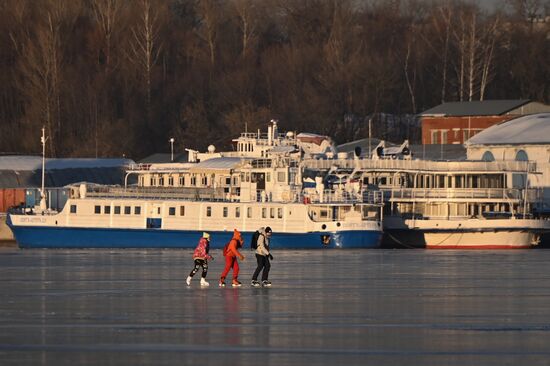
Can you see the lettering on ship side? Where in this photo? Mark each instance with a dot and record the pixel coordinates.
(34, 220)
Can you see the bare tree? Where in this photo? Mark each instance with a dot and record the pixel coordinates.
(145, 46)
(106, 14)
(210, 14)
(247, 22)
(41, 60)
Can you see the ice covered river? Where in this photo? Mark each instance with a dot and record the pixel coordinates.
(326, 307)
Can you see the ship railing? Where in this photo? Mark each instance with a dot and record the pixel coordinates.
(423, 165)
(182, 193)
(456, 193)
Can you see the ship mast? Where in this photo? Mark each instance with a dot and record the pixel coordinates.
(43, 140)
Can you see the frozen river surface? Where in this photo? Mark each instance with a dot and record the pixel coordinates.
(333, 307)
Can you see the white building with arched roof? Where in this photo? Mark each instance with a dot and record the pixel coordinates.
(521, 139)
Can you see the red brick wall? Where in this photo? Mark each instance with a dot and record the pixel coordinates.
(461, 124)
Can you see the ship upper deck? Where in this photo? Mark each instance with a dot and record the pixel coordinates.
(450, 167)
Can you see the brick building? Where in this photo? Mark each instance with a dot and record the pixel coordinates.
(456, 122)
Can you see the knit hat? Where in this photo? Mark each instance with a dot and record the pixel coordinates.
(206, 235)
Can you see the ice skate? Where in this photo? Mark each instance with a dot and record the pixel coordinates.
(188, 280)
(204, 283)
(236, 283)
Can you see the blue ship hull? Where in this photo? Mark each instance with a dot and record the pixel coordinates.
(56, 237)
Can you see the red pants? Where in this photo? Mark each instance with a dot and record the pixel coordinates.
(231, 262)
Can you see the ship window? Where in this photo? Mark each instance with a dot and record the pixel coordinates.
(127, 210)
(73, 209)
(488, 156)
(225, 212)
(97, 209)
(237, 212)
(521, 156)
(107, 209)
(208, 211)
(264, 213)
(117, 210)
(249, 212)
(280, 213)
(137, 210)
(172, 211)
(323, 213)
(182, 210)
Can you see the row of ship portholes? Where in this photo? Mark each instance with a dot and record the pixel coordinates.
(324, 226)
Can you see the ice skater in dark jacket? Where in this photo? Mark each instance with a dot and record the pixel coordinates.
(262, 257)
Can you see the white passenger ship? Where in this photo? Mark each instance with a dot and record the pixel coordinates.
(262, 183)
(447, 204)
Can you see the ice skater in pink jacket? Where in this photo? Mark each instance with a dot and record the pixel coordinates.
(201, 257)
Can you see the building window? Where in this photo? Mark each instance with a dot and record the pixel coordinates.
(227, 181)
(435, 136)
(182, 210)
(170, 181)
(268, 177)
(97, 209)
(140, 181)
(117, 210)
(73, 209)
(225, 212)
(127, 210)
(161, 182)
(249, 212)
(193, 180)
(182, 180)
(488, 156)
(280, 213)
(208, 211)
(172, 211)
(264, 213)
(137, 210)
(444, 137)
(272, 212)
(107, 209)
(281, 177)
(153, 181)
(237, 212)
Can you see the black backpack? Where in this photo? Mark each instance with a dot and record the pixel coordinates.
(254, 241)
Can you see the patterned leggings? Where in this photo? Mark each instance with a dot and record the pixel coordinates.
(200, 263)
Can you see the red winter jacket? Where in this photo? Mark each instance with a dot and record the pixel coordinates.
(232, 248)
(201, 251)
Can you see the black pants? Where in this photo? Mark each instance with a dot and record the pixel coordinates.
(200, 263)
(263, 263)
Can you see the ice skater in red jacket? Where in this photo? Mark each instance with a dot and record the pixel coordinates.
(231, 252)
